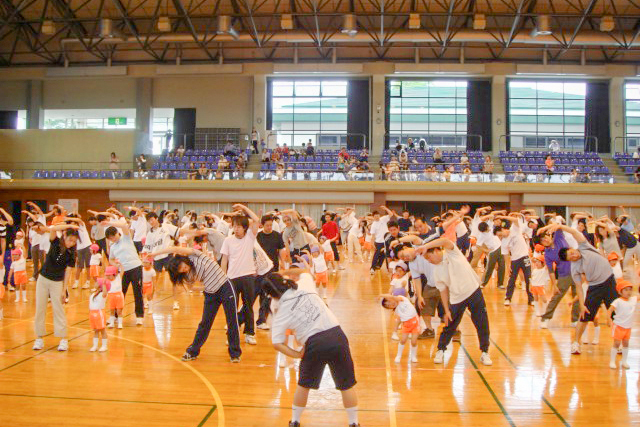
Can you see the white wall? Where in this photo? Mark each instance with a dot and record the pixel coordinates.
(13, 95)
(89, 93)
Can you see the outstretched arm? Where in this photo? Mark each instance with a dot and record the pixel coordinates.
(575, 233)
(178, 250)
(442, 242)
(255, 221)
(122, 224)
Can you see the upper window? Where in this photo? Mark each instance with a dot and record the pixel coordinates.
(540, 111)
(304, 110)
(631, 117)
(432, 109)
(124, 118)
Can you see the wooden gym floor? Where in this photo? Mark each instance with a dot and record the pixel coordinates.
(140, 381)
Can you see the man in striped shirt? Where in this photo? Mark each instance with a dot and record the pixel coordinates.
(190, 265)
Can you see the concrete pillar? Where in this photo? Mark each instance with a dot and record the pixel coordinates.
(35, 112)
(259, 121)
(616, 113)
(498, 112)
(515, 202)
(144, 103)
(377, 114)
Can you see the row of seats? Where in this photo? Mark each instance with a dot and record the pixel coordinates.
(558, 169)
(70, 174)
(204, 152)
(540, 161)
(554, 154)
(314, 158)
(172, 166)
(393, 151)
(626, 162)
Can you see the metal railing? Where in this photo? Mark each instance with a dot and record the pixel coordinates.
(319, 140)
(624, 142)
(447, 141)
(532, 142)
(65, 166)
(170, 142)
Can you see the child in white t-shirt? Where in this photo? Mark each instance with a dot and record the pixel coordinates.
(614, 262)
(400, 279)
(94, 264)
(116, 297)
(148, 276)
(97, 303)
(320, 270)
(624, 307)
(19, 271)
(408, 315)
(539, 281)
(328, 252)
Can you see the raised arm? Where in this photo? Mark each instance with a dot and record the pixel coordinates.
(35, 207)
(575, 233)
(255, 220)
(178, 250)
(60, 227)
(413, 239)
(6, 215)
(442, 242)
(122, 224)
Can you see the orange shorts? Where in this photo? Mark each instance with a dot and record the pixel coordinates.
(367, 246)
(411, 326)
(147, 288)
(94, 271)
(620, 333)
(96, 320)
(322, 278)
(20, 277)
(328, 256)
(116, 300)
(537, 290)
(361, 241)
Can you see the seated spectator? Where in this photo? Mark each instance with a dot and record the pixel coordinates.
(230, 149)
(466, 173)
(636, 175)
(294, 153)
(446, 175)
(266, 158)
(343, 154)
(550, 164)
(636, 154)
(223, 163)
(410, 144)
(431, 173)
(364, 155)
(554, 146)
(586, 178)
(573, 177)
(519, 176)
(285, 149)
(364, 166)
(218, 174)
(488, 165)
(398, 147)
(422, 144)
(241, 164)
(114, 162)
(276, 155)
(180, 150)
(141, 160)
(191, 174)
(403, 157)
(310, 151)
(203, 172)
(437, 156)
(464, 159)
(280, 170)
(342, 163)
(393, 165)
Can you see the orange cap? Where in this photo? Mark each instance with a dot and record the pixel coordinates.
(621, 284)
(539, 248)
(612, 256)
(473, 241)
(540, 258)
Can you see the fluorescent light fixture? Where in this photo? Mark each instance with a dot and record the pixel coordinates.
(607, 23)
(439, 69)
(318, 68)
(164, 24)
(560, 70)
(106, 28)
(349, 25)
(479, 21)
(414, 21)
(543, 26)
(286, 22)
(48, 28)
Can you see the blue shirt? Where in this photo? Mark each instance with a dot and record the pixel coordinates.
(125, 252)
(551, 255)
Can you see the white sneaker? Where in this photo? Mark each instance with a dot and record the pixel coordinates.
(146, 305)
(585, 339)
(394, 336)
(17, 298)
(103, 349)
(39, 344)
(110, 325)
(575, 348)
(94, 348)
(596, 340)
(439, 357)
(64, 345)
(119, 325)
(625, 365)
(139, 321)
(544, 324)
(282, 360)
(250, 339)
(485, 359)
(613, 365)
(150, 311)
(176, 306)
(414, 359)
(75, 286)
(507, 302)
(397, 359)
(86, 285)
(263, 326)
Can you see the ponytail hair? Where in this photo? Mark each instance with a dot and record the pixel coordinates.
(276, 285)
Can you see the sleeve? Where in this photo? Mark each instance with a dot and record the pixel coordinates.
(385, 219)
(278, 329)
(440, 285)
(71, 262)
(280, 244)
(225, 247)
(171, 230)
(548, 262)
(575, 275)
(153, 272)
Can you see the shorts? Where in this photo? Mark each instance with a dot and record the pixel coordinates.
(147, 288)
(94, 271)
(537, 290)
(431, 296)
(102, 243)
(411, 326)
(138, 246)
(329, 256)
(322, 278)
(620, 333)
(83, 257)
(596, 295)
(361, 241)
(159, 264)
(20, 278)
(330, 347)
(367, 246)
(96, 320)
(116, 300)
(399, 291)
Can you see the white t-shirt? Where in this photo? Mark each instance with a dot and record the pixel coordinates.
(304, 312)
(139, 227)
(148, 275)
(97, 302)
(34, 238)
(116, 285)
(540, 277)
(400, 283)
(45, 243)
(461, 229)
(504, 246)
(20, 265)
(84, 241)
(420, 266)
(319, 265)
(405, 310)
(455, 273)
(617, 271)
(623, 316)
(222, 227)
(517, 245)
(490, 240)
(96, 259)
(379, 229)
(355, 229)
(160, 238)
(306, 283)
(326, 246)
(240, 255)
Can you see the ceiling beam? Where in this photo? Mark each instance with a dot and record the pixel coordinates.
(77, 29)
(585, 14)
(133, 29)
(187, 19)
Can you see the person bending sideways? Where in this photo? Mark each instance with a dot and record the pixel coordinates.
(318, 330)
(460, 290)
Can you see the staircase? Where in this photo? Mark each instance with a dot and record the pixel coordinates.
(618, 174)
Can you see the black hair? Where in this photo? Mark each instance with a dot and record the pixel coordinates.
(496, 229)
(199, 239)
(92, 218)
(393, 224)
(178, 278)
(483, 227)
(110, 231)
(375, 213)
(537, 239)
(266, 218)
(562, 254)
(432, 250)
(69, 232)
(383, 301)
(242, 221)
(275, 285)
(151, 215)
(132, 214)
(101, 218)
(395, 252)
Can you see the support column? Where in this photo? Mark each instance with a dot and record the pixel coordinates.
(144, 103)
(377, 114)
(35, 112)
(498, 113)
(515, 202)
(616, 113)
(379, 199)
(259, 121)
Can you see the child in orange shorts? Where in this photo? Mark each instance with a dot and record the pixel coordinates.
(148, 275)
(96, 314)
(116, 297)
(329, 256)
(19, 271)
(539, 281)
(94, 263)
(624, 308)
(321, 271)
(410, 324)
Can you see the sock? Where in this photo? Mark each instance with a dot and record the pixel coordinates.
(625, 353)
(596, 332)
(104, 342)
(24, 295)
(352, 413)
(111, 319)
(296, 413)
(95, 342)
(413, 351)
(17, 295)
(400, 350)
(614, 352)
(119, 320)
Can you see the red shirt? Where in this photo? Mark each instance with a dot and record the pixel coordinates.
(330, 229)
(344, 155)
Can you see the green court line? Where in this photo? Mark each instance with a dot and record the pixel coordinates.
(484, 380)
(103, 400)
(206, 417)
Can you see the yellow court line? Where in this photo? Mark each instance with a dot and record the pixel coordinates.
(391, 401)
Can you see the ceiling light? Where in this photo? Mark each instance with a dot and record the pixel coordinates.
(414, 21)
(286, 22)
(479, 21)
(106, 28)
(543, 27)
(350, 25)
(48, 28)
(164, 24)
(225, 26)
(607, 23)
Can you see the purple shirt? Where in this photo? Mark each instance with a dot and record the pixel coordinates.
(551, 255)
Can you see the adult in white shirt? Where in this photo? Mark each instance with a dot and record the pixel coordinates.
(460, 290)
(239, 265)
(491, 244)
(354, 235)
(379, 230)
(83, 253)
(138, 226)
(318, 330)
(479, 218)
(519, 250)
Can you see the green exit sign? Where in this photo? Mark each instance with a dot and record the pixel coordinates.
(112, 121)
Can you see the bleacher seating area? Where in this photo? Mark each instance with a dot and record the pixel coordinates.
(172, 163)
(626, 162)
(322, 160)
(418, 160)
(565, 162)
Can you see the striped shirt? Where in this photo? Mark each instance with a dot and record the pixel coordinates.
(208, 272)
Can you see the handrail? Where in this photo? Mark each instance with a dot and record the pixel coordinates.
(430, 138)
(625, 144)
(70, 165)
(588, 141)
(319, 146)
